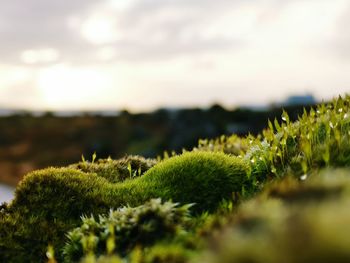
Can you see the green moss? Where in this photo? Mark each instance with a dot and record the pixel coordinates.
(196, 177)
(165, 253)
(117, 170)
(48, 203)
(160, 253)
(320, 138)
(295, 226)
(317, 189)
(102, 259)
(123, 229)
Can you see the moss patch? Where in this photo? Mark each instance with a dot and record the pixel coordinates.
(50, 202)
(198, 177)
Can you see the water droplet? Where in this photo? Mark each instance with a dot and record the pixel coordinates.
(303, 177)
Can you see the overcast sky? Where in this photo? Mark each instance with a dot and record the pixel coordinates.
(144, 54)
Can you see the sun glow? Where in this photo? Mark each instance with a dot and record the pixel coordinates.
(62, 86)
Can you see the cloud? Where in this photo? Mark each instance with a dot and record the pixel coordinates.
(151, 48)
(133, 30)
(39, 24)
(140, 30)
(340, 41)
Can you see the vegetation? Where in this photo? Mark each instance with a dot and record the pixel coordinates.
(294, 222)
(202, 178)
(27, 144)
(116, 170)
(55, 198)
(141, 225)
(319, 138)
(276, 197)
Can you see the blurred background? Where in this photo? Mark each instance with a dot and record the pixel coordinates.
(120, 77)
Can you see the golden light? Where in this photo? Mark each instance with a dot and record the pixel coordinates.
(63, 86)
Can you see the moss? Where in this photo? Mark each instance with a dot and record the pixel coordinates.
(159, 253)
(196, 177)
(320, 138)
(48, 203)
(123, 229)
(273, 229)
(102, 259)
(117, 170)
(165, 253)
(296, 191)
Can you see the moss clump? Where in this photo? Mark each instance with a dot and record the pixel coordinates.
(123, 229)
(197, 177)
(116, 170)
(48, 203)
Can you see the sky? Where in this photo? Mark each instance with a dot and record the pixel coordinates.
(144, 54)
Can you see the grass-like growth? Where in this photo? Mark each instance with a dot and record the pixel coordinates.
(123, 229)
(116, 170)
(318, 139)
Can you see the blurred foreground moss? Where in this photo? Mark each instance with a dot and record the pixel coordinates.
(309, 222)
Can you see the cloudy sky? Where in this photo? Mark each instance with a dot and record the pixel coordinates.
(143, 54)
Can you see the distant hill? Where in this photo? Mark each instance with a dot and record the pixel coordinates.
(33, 140)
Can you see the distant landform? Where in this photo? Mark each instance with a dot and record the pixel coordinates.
(294, 100)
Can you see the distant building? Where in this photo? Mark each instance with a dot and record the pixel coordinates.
(307, 99)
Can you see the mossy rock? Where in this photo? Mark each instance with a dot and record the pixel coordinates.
(49, 202)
